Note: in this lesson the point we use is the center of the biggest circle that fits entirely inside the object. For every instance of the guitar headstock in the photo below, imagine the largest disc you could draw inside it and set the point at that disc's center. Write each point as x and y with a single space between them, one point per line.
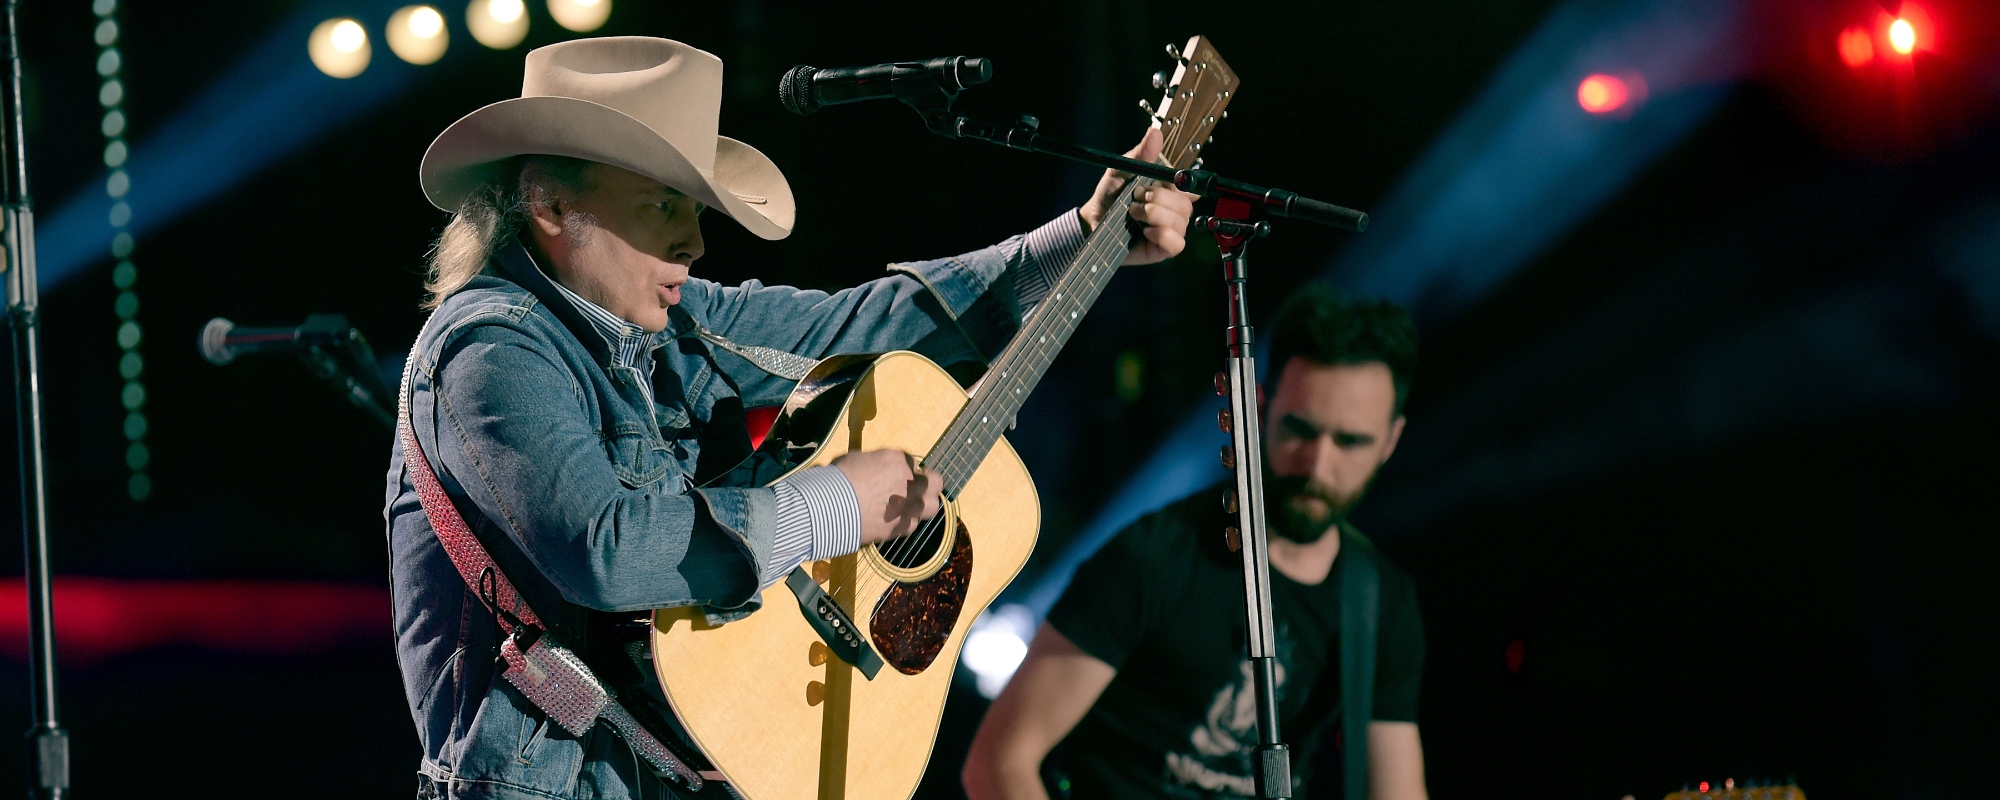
1197 94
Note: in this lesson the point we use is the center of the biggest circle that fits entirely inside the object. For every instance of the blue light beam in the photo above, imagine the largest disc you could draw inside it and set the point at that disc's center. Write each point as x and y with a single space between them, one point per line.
1516 170
271 104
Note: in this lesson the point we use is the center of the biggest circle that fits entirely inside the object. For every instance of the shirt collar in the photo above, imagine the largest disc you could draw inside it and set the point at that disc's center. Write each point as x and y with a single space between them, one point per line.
626 342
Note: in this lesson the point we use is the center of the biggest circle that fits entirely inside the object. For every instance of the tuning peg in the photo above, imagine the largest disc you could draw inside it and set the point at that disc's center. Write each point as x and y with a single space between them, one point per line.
1029 121
1229 501
1221 385
1174 52
1147 106
1228 457
1223 421
1160 79
1225 113
1233 538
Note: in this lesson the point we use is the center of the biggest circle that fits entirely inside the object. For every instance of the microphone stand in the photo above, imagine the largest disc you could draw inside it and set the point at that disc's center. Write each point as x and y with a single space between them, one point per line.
48 743
1234 223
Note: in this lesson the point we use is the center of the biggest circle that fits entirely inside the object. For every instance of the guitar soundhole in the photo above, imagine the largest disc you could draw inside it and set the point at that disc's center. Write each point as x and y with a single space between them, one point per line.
913 621
918 548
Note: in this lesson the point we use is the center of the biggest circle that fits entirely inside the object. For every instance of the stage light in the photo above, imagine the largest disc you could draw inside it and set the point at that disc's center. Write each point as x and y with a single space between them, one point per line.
1601 94
582 16
339 47
1857 47
499 24
1902 36
416 34
996 646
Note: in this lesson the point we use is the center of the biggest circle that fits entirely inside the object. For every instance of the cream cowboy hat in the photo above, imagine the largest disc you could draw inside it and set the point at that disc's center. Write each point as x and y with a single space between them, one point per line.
647 105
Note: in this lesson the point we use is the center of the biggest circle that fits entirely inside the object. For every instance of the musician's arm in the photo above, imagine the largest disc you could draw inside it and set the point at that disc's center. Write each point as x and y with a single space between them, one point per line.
1395 762
1055 686
535 465
950 309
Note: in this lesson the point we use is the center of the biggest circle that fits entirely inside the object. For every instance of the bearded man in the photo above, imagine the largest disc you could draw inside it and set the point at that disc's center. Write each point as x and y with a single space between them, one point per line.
1141 671
580 398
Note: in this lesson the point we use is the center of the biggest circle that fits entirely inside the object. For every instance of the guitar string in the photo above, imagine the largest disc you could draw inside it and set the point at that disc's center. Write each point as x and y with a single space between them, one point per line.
1096 249
954 461
959 448
1082 287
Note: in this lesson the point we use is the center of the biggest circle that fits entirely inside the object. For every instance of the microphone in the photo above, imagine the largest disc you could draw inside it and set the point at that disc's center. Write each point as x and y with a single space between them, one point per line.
804 89
221 341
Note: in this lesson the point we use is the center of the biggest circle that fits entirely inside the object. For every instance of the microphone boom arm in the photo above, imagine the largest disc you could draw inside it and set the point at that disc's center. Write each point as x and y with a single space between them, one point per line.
1023 135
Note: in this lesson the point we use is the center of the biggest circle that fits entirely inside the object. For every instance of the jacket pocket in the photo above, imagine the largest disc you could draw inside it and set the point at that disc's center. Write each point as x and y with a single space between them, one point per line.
638 457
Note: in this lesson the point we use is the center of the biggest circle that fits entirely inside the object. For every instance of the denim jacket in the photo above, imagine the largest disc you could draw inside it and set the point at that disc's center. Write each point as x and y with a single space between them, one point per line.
592 502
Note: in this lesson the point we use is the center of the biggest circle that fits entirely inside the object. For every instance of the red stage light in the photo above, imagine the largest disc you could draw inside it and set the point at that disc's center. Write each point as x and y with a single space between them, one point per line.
1601 94
1857 46
1902 36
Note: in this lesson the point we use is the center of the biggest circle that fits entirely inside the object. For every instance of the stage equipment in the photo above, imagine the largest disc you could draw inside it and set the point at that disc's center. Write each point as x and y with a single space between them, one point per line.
852 684
339 47
333 349
805 89
48 743
1728 790
124 276
417 34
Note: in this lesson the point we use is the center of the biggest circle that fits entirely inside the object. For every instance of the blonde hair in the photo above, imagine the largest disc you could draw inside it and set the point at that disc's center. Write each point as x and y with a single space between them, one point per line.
494 213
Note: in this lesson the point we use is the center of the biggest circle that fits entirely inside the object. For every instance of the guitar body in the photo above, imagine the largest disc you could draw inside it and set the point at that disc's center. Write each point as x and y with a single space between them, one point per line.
763 697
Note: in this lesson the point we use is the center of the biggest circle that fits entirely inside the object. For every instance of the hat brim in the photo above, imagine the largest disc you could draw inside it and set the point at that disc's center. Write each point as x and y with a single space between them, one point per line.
744 184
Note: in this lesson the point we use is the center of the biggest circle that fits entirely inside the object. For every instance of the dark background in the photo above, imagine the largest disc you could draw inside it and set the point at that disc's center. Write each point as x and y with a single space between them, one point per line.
1715 467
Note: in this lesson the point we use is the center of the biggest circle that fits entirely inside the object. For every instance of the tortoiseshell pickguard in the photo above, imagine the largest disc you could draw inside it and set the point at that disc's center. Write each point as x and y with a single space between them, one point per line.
913 621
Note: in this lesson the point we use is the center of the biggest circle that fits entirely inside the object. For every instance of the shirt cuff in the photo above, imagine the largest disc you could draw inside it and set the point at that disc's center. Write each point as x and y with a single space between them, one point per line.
1049 252
819 518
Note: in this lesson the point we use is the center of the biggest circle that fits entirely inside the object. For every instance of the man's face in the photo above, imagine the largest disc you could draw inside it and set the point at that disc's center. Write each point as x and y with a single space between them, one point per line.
631 249
1328 429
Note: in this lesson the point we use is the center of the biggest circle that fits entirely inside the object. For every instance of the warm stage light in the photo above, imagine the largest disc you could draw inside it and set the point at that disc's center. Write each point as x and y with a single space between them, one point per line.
498 24
1857 46
339 47
582 16
1601 94
416 34
1902 36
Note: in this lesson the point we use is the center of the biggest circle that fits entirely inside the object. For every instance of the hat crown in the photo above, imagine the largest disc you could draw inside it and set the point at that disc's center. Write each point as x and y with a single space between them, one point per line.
672 88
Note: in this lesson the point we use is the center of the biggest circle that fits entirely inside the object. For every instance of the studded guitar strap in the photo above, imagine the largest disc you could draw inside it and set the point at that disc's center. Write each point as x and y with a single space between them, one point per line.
548 674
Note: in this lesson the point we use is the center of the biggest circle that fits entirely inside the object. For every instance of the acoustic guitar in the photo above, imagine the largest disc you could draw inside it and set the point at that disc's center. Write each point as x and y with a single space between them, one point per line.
834 688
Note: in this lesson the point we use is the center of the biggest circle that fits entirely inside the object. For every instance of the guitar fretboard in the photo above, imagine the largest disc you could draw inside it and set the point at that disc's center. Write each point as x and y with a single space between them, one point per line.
1013 376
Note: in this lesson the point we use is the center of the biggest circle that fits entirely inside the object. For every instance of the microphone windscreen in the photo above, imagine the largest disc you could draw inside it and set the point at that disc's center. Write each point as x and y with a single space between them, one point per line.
795 90
215 341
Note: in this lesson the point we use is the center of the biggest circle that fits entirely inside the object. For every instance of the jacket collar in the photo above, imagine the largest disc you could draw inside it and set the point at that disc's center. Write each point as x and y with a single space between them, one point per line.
513 263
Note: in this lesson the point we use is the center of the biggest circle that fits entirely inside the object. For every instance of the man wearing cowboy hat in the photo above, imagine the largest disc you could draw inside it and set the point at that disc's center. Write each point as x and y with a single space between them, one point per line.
577 392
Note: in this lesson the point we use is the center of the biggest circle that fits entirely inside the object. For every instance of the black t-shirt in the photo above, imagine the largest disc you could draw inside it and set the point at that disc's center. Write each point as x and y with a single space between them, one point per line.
1163 604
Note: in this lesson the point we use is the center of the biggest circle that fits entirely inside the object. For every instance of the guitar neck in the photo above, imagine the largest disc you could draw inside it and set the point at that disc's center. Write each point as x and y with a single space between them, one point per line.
1013 375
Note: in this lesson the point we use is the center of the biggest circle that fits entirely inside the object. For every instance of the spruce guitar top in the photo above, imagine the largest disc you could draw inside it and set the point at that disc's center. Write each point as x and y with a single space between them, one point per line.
835 687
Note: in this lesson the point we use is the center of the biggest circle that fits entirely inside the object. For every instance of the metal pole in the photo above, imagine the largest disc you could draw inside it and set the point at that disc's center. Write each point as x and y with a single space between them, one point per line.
48 743
1246 457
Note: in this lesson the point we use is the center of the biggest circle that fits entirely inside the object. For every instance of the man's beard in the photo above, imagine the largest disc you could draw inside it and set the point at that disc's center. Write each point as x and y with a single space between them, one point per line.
1287 521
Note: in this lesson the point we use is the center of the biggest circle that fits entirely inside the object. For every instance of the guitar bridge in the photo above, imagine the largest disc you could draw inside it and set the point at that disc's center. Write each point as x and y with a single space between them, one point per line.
832 623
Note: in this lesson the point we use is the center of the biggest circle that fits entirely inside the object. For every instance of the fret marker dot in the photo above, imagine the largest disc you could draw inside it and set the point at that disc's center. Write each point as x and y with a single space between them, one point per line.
1042 340
982 420
1093 268
1072 315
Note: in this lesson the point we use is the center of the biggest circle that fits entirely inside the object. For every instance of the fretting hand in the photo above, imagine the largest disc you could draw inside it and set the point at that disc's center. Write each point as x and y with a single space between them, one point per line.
894 493
1163 209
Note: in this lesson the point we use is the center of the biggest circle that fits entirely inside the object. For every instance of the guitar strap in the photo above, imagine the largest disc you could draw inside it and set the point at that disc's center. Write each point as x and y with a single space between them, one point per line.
1360 612
551 676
